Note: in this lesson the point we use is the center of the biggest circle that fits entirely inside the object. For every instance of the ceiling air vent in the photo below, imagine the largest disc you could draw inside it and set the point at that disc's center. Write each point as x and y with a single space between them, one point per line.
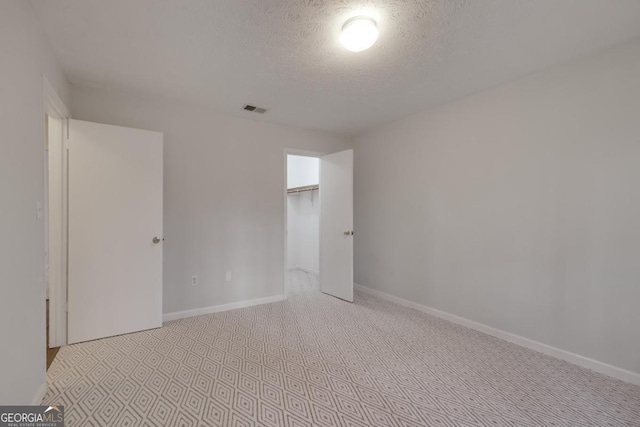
254 109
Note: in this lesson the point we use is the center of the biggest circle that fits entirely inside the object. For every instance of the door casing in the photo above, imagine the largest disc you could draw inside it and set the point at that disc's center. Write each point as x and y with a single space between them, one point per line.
57 217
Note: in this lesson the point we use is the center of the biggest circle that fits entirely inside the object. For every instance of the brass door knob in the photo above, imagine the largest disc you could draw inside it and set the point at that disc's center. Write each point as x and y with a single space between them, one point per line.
156 240
348 233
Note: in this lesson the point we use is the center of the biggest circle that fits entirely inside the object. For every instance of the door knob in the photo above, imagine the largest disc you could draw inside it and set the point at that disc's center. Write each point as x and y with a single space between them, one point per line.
348 233
156 240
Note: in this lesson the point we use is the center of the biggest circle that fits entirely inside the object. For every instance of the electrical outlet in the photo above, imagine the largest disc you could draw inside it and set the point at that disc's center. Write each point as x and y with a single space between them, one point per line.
228 276
194 280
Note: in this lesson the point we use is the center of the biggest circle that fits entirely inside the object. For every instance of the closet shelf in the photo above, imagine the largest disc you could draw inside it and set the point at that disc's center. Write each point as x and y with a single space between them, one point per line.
302 189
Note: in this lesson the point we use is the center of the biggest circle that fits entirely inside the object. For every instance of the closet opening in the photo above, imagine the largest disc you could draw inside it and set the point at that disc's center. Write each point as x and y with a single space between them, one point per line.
302 255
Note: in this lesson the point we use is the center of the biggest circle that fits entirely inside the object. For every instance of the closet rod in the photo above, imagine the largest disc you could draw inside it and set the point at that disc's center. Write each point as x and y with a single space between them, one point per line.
301 189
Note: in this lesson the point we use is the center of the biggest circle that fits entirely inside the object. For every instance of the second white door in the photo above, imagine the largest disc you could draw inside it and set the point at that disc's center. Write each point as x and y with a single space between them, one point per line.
336 224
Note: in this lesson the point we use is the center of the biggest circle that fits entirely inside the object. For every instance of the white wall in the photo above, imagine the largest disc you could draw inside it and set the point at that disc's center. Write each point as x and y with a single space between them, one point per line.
223 194
24 58
518 207
302 171
303 214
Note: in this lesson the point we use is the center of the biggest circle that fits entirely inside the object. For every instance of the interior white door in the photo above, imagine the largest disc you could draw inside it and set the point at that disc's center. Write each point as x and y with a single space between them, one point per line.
336 224
115 212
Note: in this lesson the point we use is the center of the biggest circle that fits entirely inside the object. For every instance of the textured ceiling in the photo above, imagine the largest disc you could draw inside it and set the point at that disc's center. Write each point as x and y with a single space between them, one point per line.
285 55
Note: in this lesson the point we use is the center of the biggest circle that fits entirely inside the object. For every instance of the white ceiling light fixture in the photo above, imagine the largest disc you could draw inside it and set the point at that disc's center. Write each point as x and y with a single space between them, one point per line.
359 33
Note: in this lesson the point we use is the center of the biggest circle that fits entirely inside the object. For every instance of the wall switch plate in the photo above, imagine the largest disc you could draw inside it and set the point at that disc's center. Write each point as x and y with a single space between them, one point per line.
194 280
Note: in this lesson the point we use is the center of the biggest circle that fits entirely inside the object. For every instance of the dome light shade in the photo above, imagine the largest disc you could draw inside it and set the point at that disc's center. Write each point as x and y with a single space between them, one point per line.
359 33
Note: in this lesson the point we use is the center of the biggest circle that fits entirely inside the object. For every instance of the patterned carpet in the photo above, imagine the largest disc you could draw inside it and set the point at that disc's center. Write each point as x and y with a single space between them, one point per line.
314 360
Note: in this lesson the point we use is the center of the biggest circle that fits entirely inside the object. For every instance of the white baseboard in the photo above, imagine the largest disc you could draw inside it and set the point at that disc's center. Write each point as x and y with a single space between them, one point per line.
223 307
305 269
37 399
576 359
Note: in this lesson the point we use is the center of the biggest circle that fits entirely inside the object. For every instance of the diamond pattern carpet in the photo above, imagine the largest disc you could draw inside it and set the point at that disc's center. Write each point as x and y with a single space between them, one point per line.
314 360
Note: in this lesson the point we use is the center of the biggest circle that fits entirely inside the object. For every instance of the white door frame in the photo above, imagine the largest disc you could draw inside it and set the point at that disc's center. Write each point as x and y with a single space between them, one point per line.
294 152
57 248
